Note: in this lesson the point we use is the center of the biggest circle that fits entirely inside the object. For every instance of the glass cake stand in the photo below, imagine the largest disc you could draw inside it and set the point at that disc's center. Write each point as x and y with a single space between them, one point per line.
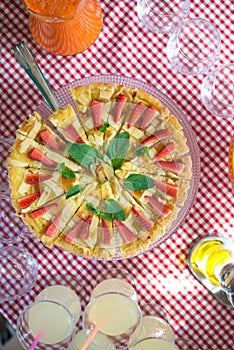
64 97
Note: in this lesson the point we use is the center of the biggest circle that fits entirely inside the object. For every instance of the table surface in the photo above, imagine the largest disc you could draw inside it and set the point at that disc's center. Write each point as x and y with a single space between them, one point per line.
125 48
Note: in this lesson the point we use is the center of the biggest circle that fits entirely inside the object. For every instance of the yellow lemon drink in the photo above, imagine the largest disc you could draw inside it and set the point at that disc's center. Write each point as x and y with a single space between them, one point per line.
118 313
155 344
52 320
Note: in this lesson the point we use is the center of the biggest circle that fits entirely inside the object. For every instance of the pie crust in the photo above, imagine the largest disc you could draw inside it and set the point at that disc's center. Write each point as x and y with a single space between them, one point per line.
125 138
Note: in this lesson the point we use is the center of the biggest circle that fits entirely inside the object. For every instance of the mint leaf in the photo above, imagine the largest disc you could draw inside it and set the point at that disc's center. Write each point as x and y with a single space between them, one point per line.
136 182
118 149
140 151
98 212
104 127
115 209
66 172
105 215
90 207
84 154
74 190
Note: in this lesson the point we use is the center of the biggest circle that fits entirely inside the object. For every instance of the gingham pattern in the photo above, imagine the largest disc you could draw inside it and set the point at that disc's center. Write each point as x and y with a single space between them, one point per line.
125 48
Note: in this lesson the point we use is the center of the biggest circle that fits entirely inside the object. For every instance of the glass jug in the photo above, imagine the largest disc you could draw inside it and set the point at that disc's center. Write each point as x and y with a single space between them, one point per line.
64 27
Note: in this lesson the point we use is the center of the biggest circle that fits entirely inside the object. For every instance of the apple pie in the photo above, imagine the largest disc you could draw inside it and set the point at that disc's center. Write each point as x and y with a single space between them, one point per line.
105 178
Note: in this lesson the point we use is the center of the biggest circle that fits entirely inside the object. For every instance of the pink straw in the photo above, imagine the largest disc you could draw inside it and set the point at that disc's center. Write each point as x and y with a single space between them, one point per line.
91 335
36 341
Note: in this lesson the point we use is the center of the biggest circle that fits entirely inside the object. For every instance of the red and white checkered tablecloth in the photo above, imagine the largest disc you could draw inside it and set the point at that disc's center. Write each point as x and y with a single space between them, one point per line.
125 48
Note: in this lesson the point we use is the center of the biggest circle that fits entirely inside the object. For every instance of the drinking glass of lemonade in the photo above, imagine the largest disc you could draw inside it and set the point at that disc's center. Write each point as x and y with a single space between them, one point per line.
155 333
115 280
49 321
62 295
118 315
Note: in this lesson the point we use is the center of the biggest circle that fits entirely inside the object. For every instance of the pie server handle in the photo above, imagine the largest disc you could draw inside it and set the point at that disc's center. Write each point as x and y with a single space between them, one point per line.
29 64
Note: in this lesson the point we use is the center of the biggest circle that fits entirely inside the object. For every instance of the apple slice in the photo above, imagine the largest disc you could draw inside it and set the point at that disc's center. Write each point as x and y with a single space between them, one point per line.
36 154
97 109
145 222
52 229
39 212
50 140
158 136
119 105
161 209
168 149
127 235
36 178
175 167
150 114
73 234
26 201
136 114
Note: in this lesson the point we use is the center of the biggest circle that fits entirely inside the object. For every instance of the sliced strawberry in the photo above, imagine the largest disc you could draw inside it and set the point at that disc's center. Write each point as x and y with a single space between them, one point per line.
80 140
74 233
150 114
145 222
161 209
136 114
26 201
36 178
72 134
50 140
175 167
105 233
52 229
119 105
85 230
168 149
39 212
160 135
127 235
97 108
171 189
36 154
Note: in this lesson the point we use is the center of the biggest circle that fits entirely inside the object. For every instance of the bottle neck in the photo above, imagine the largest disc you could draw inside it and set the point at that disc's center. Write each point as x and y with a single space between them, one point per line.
226 278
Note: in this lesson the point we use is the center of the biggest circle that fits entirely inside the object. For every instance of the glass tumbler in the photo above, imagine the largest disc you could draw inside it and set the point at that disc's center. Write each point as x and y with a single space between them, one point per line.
63 295
156 333
18 271
194 48
49 322
117 315
217 91
115 280
162 16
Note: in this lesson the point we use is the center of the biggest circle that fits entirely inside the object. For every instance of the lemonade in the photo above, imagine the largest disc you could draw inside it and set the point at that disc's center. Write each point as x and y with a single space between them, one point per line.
155 344
118 313
52 320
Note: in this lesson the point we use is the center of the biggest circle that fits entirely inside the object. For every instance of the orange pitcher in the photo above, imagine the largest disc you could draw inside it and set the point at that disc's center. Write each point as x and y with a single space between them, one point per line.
64 27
